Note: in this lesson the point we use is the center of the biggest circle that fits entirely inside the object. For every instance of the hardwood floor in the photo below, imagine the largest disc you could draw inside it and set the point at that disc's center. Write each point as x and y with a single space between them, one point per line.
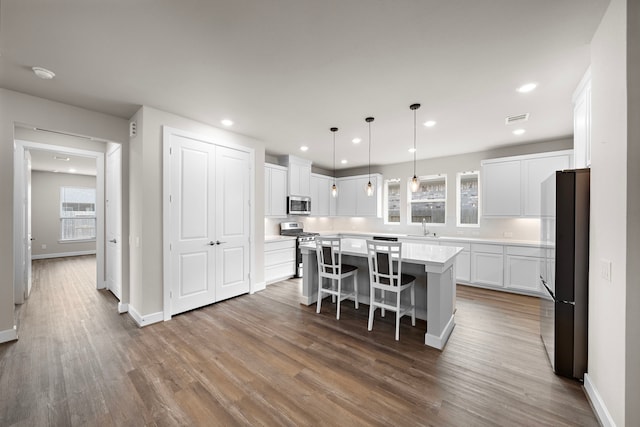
264 359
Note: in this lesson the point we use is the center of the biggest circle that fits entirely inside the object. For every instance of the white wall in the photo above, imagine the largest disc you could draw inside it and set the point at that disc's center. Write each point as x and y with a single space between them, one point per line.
608 231
45 216
18 108
146 202
632 391
520 228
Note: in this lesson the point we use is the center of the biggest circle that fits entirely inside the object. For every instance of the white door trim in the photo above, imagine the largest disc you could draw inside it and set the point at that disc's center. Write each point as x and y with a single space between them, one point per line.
167 221
19 193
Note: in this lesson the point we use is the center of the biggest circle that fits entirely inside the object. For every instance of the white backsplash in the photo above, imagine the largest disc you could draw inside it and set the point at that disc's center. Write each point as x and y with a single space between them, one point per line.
512 228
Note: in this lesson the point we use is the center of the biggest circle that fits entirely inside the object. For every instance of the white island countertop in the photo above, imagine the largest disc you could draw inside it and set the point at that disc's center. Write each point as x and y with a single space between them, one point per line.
416 253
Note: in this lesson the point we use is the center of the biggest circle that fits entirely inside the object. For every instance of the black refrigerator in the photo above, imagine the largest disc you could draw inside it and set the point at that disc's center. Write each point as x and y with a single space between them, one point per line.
564 229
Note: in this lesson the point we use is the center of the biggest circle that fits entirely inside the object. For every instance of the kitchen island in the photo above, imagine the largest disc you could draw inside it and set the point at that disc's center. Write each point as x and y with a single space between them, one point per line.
432 265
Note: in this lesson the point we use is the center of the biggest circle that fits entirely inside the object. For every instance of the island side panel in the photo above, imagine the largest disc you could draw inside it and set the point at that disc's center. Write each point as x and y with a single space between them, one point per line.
441 303
309 277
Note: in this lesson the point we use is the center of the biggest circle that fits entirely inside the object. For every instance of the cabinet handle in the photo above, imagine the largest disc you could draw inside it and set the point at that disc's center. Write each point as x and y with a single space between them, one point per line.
113 241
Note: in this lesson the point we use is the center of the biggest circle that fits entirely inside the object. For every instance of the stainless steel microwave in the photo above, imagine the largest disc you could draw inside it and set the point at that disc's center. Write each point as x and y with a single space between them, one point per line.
298 205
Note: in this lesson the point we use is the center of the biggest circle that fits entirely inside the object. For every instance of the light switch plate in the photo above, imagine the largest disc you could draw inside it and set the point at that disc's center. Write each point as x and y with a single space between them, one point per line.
605 269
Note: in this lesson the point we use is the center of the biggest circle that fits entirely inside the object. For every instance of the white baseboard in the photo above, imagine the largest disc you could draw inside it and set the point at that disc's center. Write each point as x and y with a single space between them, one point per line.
147 320
63 254
122 308
9 335
602 413
439 341
257 287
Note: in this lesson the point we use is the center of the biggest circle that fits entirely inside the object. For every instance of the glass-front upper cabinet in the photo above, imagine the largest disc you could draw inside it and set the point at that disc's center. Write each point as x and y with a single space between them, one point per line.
468 201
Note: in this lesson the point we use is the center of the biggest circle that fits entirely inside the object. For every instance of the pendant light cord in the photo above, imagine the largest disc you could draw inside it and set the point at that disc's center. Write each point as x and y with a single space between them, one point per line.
369 151
414 142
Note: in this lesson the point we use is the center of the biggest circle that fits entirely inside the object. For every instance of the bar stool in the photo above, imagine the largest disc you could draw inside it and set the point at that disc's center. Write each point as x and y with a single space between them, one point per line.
385 275
329 255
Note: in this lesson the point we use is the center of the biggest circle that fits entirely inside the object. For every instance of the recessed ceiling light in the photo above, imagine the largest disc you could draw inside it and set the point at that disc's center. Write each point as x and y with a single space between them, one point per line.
226 122
519 131
412 150
72 170
304 148
527 87
343 161
430 123
356 140
43 73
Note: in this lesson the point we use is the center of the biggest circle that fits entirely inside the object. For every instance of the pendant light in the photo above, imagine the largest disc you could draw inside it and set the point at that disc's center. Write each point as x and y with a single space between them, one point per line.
369 188
334 188
415 182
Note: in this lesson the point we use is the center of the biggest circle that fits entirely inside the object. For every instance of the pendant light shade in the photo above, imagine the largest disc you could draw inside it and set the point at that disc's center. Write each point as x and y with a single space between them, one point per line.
334 187
369 189
415 182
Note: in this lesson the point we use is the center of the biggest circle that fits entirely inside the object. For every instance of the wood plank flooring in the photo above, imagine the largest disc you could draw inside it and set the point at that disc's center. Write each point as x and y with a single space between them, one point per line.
264 359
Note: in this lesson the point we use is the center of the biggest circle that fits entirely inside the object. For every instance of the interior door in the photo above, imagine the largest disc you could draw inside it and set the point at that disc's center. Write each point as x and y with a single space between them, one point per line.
193 211
27 219
114 221
232 222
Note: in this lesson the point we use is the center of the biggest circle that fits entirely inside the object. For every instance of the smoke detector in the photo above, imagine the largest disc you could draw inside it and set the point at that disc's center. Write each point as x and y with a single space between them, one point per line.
43 73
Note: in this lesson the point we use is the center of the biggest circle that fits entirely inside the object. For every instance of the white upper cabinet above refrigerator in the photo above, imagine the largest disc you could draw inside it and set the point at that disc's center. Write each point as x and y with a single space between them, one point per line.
582 122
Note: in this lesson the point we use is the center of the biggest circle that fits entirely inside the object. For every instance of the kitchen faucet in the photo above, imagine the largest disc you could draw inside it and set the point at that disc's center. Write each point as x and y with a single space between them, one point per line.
424 227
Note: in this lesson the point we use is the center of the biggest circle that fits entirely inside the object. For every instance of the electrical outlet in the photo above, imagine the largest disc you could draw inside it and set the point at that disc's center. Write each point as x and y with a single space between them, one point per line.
507 234
44 246
460 233
605 269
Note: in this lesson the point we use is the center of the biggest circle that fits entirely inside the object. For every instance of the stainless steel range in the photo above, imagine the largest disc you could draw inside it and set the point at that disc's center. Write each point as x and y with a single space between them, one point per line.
296 229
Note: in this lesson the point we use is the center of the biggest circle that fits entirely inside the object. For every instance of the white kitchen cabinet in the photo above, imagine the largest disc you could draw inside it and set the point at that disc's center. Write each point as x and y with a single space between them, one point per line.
511 185
275 190
487 264
534 172
279 260
322 203
353 200
582 122
299 176
522 267
347 201
501 188
463 261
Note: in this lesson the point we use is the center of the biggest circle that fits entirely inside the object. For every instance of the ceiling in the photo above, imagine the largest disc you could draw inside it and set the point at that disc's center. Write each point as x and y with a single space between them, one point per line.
53 161
285 71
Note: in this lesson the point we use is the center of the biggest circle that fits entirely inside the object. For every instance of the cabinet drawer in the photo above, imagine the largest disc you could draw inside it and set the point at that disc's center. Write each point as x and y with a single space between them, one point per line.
279 256
490 249
464 246
524 251
279 272
279 244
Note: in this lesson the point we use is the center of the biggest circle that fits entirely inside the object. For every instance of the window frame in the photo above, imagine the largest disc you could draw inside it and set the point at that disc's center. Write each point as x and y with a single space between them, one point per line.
62 218
410 201
386 201
459 177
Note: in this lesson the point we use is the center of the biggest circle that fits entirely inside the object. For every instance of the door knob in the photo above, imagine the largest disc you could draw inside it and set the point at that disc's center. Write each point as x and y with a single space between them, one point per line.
218 242
113 241
211 243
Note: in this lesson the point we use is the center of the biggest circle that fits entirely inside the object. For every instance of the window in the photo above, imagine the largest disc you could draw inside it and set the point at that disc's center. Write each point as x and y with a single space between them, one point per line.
429 202
468 201
77 213
392 201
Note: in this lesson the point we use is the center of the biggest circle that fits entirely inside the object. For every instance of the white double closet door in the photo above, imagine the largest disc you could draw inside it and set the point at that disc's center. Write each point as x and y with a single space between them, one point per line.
210 209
